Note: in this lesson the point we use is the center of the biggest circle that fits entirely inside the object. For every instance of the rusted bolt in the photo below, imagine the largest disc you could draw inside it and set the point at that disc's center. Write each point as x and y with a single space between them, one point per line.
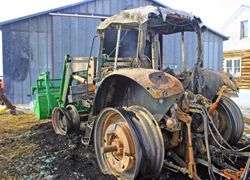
108 149
165 93
170 123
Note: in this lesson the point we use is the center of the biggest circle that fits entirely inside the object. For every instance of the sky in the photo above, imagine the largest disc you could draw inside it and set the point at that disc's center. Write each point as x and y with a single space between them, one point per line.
212 12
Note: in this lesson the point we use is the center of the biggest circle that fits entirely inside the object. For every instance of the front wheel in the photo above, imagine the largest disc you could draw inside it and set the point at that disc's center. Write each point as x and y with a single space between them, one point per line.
128 143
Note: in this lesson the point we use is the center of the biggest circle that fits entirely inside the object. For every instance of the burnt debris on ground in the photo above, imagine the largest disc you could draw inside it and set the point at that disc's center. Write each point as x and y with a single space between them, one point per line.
30 149
34 151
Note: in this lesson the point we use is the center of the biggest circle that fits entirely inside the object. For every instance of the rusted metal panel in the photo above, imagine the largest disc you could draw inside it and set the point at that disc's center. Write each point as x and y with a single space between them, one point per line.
157 83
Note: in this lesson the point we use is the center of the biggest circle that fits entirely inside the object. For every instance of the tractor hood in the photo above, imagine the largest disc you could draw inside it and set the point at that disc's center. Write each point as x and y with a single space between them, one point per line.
157 83
167 20
155 90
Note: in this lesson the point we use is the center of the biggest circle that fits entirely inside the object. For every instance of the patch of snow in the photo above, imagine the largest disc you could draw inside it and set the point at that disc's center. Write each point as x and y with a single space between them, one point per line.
243 101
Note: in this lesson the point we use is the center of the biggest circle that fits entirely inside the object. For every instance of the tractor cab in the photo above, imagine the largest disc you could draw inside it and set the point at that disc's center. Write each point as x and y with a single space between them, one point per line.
133 38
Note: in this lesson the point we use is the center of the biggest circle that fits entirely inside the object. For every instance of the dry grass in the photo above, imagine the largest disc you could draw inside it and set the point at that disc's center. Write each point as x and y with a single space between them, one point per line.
247 131
247 120
12 129
17 123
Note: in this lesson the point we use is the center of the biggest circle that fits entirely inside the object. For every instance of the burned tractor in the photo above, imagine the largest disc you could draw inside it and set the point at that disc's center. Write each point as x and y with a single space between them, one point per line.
139 116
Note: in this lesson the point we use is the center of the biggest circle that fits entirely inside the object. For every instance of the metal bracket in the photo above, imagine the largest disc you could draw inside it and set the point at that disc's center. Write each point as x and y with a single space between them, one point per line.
89 130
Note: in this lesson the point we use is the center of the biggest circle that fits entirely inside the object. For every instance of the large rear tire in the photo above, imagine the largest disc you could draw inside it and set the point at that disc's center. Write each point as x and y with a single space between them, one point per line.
128 143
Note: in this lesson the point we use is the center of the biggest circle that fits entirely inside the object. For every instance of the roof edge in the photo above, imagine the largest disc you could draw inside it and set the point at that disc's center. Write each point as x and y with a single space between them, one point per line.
208 28
228 20
57 9
225 38
159 3
43 12
86 1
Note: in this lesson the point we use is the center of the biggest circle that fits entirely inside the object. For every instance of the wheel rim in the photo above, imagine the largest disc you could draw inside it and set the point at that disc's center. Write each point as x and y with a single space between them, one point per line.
61 121
116 145
128 142
74 117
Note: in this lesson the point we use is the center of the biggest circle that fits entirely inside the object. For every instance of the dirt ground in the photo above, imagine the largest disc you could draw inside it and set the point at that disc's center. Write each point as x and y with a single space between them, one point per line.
29 149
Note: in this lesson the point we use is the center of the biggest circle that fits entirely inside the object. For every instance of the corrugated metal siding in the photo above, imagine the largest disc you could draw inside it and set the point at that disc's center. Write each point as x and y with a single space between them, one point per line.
172 51
27 44
212 51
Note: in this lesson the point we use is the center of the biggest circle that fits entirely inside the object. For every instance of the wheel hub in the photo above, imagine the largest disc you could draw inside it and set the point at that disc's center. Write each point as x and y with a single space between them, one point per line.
119 147
128 143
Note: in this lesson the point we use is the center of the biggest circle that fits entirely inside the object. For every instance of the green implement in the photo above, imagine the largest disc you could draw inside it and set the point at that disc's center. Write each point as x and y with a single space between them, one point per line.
75 88
47 95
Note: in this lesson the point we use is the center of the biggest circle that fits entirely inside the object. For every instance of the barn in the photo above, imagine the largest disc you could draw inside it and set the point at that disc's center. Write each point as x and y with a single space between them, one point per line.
38 42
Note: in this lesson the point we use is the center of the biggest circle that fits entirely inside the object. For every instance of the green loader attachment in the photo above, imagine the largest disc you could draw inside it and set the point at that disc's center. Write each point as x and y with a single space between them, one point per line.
46 94
71 94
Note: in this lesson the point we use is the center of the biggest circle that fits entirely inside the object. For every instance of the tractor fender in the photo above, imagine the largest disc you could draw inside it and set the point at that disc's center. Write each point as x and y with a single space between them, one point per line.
153 89
210 82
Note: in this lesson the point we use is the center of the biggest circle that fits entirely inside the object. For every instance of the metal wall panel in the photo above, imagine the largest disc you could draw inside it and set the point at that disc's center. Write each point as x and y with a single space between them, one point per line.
7 62
172 51
212 51
190 40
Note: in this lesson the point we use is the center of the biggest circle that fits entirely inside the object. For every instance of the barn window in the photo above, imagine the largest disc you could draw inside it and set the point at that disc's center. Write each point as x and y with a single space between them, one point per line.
233 66
244 29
